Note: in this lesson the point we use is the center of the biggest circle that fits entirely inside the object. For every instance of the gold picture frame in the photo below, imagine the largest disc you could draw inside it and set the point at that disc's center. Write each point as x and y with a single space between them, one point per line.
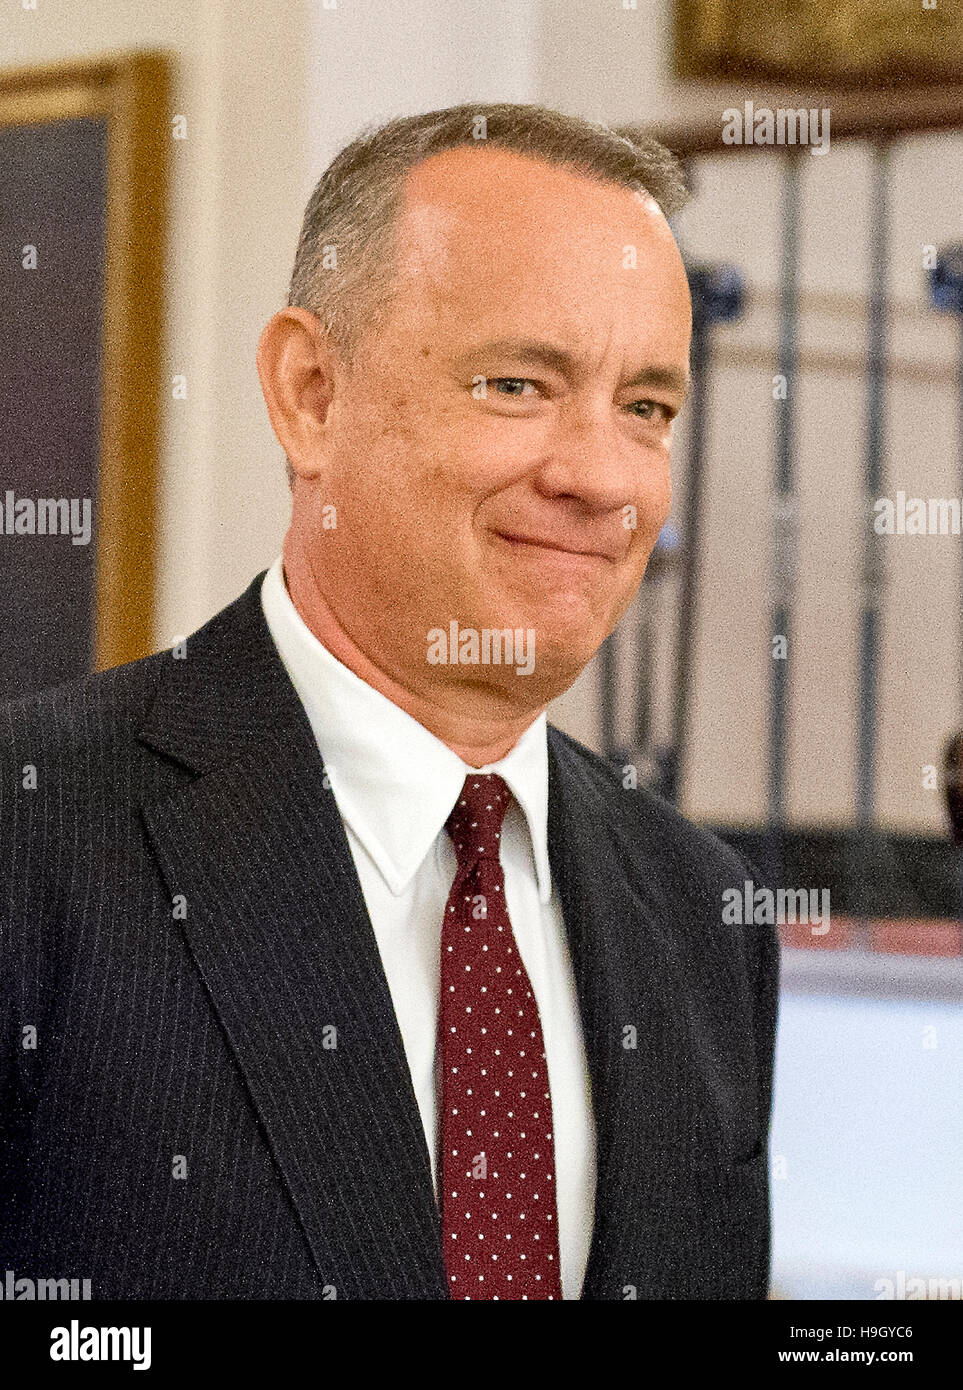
855 43
130 93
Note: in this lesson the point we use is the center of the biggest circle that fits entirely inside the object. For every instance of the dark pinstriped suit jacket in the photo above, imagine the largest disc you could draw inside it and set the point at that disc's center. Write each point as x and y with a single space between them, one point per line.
180 1130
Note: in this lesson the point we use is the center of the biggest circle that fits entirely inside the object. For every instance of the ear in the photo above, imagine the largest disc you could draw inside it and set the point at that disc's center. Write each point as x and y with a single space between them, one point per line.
297 366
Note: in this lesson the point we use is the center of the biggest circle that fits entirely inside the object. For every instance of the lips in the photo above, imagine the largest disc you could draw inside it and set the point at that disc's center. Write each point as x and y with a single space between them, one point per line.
551 543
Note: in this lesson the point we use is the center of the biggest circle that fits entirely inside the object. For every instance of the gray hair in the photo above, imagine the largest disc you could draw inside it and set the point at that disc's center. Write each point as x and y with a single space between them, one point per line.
344 269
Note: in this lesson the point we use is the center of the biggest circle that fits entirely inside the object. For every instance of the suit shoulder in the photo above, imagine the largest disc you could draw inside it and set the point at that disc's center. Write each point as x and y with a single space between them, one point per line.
99 717
644 818
83 713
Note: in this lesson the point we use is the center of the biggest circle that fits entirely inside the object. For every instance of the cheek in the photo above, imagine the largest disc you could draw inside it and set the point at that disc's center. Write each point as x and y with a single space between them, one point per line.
425 461
491 452
403 498
655 503
376 458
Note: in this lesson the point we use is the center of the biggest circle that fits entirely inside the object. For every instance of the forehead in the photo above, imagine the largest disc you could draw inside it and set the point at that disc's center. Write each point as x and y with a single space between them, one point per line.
485 231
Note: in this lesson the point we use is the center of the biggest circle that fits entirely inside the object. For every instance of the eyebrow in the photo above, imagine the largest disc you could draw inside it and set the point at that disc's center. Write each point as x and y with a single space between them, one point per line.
536 353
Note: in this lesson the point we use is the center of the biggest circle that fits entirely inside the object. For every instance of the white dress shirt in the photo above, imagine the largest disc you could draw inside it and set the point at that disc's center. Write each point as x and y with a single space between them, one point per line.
395 785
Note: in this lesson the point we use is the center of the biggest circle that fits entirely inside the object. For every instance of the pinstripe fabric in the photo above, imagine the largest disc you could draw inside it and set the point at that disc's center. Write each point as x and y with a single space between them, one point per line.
218 1103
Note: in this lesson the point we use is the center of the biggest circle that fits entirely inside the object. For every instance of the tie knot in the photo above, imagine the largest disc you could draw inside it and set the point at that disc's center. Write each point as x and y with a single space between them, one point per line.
475 823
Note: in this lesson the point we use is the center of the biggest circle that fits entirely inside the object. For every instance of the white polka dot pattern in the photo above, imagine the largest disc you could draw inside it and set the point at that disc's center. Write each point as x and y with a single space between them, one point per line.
499 1216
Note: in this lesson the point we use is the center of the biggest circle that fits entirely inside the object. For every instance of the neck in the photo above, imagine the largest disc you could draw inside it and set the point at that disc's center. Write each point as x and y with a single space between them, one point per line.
478 739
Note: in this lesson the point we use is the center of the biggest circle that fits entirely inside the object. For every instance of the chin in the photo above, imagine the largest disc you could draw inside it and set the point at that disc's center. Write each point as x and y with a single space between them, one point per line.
562 655
575 622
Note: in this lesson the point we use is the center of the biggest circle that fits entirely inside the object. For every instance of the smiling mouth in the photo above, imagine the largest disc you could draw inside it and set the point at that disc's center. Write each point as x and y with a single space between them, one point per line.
551 547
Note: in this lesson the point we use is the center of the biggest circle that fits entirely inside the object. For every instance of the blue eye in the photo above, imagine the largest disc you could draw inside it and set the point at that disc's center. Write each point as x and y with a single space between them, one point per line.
510 381
667 414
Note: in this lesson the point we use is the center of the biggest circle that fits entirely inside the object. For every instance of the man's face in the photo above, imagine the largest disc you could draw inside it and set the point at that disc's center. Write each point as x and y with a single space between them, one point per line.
490 460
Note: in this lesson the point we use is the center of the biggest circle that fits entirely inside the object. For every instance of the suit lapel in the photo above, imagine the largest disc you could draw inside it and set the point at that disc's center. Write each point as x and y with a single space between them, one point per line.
634 1019
254 847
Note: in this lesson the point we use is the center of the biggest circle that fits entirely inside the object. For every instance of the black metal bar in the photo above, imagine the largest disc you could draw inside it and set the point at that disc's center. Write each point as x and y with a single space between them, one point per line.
717 297
872 485
699 358
646 638
784 521
946 292
608 693
867 715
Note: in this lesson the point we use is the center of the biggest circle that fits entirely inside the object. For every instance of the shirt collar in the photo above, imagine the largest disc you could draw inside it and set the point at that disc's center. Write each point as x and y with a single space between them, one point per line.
394 781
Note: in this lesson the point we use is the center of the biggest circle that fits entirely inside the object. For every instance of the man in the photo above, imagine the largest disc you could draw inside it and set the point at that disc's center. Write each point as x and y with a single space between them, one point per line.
330 970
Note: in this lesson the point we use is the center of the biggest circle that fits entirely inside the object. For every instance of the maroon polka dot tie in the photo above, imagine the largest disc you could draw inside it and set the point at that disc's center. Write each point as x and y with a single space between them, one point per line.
499 1215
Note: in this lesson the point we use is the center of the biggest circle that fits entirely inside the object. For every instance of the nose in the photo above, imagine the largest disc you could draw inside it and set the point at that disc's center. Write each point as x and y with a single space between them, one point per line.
591 460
